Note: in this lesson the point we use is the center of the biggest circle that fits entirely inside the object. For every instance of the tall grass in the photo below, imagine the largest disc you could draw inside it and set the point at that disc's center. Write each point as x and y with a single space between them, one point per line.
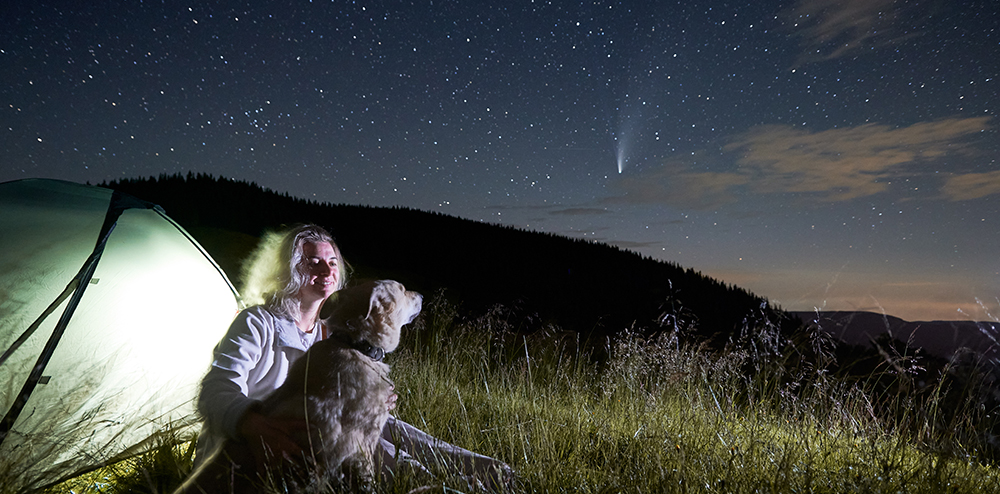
664 416
648 413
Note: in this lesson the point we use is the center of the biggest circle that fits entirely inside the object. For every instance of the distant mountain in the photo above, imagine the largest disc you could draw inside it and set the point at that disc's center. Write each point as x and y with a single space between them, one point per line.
939 338
592 288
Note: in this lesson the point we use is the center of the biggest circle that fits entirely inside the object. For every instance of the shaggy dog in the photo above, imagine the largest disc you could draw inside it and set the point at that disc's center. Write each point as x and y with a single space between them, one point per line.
340 388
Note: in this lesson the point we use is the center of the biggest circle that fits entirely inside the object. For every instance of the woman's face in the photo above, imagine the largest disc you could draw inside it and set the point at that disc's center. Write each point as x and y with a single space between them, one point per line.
321 269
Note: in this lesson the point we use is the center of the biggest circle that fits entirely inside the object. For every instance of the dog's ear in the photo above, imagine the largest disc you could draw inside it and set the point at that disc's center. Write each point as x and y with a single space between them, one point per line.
382 307
382 326
349 304
383 300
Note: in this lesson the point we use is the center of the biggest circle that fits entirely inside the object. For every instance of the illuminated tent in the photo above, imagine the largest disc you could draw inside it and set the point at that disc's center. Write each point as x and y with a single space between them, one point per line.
108 315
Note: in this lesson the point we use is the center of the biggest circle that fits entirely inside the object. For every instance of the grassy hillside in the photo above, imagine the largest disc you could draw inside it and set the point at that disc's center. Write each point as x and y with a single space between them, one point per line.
659 416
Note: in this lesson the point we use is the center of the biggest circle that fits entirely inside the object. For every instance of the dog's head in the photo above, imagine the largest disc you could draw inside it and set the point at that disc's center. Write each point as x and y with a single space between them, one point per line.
373 311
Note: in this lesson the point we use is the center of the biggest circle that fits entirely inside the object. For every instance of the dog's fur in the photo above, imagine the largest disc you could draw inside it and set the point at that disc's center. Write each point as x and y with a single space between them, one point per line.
338 388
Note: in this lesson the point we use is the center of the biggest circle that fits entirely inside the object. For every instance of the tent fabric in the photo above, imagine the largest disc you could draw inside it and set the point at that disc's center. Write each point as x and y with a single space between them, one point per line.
126 367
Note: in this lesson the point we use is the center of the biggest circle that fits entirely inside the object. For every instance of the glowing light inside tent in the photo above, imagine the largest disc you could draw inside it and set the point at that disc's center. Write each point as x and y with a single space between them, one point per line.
130 361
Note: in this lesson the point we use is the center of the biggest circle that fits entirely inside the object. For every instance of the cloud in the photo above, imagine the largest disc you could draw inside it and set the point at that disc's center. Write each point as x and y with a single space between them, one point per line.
580 211
835 28
845 163
972 185
832 165
633 245
674 184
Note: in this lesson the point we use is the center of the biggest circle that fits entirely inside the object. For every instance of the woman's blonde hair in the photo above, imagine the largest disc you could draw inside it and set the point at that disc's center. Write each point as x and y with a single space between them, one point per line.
270 274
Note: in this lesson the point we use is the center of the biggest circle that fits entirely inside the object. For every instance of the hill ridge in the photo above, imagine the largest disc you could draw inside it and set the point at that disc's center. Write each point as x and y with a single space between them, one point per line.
581 285
939 338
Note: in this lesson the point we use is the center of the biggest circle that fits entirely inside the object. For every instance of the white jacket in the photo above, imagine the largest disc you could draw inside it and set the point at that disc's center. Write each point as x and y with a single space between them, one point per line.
250 362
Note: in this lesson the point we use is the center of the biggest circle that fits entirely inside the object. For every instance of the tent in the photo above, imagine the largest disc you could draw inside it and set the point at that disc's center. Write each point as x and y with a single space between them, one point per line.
109 312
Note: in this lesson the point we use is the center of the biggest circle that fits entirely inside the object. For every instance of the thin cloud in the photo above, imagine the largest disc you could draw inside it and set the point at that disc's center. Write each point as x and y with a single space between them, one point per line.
832 165
832 29
633 245
972 186
674 184
580 212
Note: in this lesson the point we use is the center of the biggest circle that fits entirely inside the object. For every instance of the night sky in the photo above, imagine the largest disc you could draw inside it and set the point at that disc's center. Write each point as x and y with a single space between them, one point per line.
838 155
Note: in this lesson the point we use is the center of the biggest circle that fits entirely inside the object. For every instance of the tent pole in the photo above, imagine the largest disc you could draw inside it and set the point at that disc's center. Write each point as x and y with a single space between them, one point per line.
38 322
118 204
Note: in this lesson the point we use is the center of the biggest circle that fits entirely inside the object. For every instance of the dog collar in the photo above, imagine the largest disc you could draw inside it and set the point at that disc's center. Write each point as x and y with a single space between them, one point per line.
373 352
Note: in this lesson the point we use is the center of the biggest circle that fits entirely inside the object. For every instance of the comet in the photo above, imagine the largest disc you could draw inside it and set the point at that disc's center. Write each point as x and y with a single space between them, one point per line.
629 118
621 155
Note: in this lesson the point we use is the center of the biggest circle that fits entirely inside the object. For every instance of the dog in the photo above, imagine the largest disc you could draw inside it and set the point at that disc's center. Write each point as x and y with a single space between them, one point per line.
340 388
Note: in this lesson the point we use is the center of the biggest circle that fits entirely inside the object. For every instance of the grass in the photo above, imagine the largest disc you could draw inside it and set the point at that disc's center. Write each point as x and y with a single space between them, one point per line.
655 414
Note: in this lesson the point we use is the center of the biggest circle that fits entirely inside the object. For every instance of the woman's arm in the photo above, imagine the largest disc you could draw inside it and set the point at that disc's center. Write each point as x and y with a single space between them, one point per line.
225 390
247 364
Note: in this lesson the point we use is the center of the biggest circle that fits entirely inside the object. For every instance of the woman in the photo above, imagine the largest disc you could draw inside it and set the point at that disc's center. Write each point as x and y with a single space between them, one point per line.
290 276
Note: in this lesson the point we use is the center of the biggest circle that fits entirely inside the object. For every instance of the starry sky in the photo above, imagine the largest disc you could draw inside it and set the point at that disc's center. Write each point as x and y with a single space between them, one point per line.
825 154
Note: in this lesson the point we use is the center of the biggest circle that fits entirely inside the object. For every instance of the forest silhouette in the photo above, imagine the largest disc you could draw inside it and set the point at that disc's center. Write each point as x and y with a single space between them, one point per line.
594 289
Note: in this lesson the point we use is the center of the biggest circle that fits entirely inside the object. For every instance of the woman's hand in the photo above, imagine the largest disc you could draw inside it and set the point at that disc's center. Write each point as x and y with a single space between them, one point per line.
270 438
